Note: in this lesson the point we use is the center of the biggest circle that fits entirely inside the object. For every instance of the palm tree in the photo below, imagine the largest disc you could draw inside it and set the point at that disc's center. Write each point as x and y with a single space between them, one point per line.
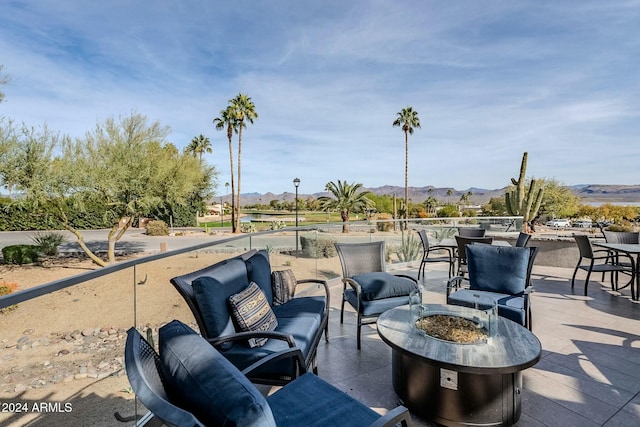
347 199
244 109
407 119
199 145
449 193
227 120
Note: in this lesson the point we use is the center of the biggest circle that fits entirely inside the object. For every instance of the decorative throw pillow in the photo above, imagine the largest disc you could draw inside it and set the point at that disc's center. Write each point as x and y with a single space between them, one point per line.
284 286
251 311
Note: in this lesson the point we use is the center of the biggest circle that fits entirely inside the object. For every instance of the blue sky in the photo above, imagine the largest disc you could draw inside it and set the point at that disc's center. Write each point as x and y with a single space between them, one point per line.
490 80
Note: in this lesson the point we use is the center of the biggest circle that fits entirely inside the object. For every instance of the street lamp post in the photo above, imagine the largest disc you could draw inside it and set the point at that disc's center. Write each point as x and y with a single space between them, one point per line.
296 183
221 213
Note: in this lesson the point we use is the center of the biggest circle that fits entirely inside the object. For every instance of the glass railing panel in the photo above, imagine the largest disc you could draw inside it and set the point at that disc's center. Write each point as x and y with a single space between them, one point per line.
62 353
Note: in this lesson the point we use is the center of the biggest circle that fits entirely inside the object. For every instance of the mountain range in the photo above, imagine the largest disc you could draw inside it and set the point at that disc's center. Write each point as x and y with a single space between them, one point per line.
589 193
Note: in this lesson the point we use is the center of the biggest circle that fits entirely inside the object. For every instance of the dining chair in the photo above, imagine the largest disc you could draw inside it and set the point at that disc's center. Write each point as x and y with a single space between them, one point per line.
501 274
428 254
367 287
598 262
461 253
624 237
471 232
523 239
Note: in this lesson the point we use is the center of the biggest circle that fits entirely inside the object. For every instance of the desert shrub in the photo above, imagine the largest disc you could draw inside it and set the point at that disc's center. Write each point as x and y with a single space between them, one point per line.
157 228
277 225
316 246
247 227
5 289
619 227
47 243
448 211
444 233
20 254
409 250
384 225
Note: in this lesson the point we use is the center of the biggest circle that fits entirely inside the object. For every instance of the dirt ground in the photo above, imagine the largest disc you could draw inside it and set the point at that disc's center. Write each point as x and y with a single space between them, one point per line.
61 355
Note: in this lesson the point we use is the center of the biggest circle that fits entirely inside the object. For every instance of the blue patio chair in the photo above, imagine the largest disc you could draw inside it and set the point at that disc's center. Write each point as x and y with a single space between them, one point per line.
501 274
191 384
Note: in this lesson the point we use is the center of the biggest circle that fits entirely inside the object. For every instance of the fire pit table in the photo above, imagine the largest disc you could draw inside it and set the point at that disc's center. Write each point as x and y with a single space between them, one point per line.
458 384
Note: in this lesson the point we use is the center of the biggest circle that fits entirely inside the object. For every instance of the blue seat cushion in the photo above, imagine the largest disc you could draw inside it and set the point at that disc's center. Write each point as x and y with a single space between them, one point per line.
309 401
509 306
303 330
204 383
374 307
259 271
379 285
212 293
499 269
313 306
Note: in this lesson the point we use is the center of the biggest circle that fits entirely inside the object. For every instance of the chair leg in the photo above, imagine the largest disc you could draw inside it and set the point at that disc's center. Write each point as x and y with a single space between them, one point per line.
359 327
586 282
421 268
573 278
342 310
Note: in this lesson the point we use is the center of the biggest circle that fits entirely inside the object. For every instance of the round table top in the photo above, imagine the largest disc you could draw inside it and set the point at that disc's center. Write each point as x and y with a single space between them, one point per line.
513 348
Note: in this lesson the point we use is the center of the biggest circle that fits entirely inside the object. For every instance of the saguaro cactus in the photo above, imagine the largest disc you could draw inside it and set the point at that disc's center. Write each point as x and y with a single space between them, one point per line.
519 203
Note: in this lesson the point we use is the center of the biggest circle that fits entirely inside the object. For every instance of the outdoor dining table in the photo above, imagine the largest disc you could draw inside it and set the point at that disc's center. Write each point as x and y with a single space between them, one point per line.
629 249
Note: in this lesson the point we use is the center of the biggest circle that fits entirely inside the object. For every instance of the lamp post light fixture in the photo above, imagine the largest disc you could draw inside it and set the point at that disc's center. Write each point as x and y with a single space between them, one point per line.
296 183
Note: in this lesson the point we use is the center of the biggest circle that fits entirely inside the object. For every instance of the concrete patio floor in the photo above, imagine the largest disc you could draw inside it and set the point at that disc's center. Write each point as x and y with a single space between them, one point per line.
589 373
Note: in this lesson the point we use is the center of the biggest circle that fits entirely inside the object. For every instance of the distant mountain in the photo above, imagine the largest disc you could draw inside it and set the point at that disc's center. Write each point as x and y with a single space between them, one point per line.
587 192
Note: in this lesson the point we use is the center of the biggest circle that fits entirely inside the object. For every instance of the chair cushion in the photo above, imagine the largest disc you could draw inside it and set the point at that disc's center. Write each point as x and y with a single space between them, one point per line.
212 292
283 284
252 312
259 271
379 285
302 329
500 269
509 306
310 401
375 307
203 382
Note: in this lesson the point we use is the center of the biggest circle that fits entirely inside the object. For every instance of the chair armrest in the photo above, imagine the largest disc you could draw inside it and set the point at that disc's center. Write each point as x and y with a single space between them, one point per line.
399 415
454 283
316 282
407 277
243 336
291 353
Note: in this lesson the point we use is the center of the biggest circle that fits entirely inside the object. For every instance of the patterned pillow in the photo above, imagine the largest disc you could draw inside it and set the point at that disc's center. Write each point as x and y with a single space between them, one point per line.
283 284
251 311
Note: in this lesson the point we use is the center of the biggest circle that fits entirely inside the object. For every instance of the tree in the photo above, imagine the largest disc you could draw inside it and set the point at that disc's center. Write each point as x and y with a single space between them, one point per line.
8 146
228 120
4 79
430 204
558 200
124 165
198 146
244 110
347 199
495 207
407 119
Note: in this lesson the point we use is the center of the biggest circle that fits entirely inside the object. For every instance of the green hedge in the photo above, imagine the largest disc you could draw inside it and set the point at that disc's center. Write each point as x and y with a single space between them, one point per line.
20 254
316 246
